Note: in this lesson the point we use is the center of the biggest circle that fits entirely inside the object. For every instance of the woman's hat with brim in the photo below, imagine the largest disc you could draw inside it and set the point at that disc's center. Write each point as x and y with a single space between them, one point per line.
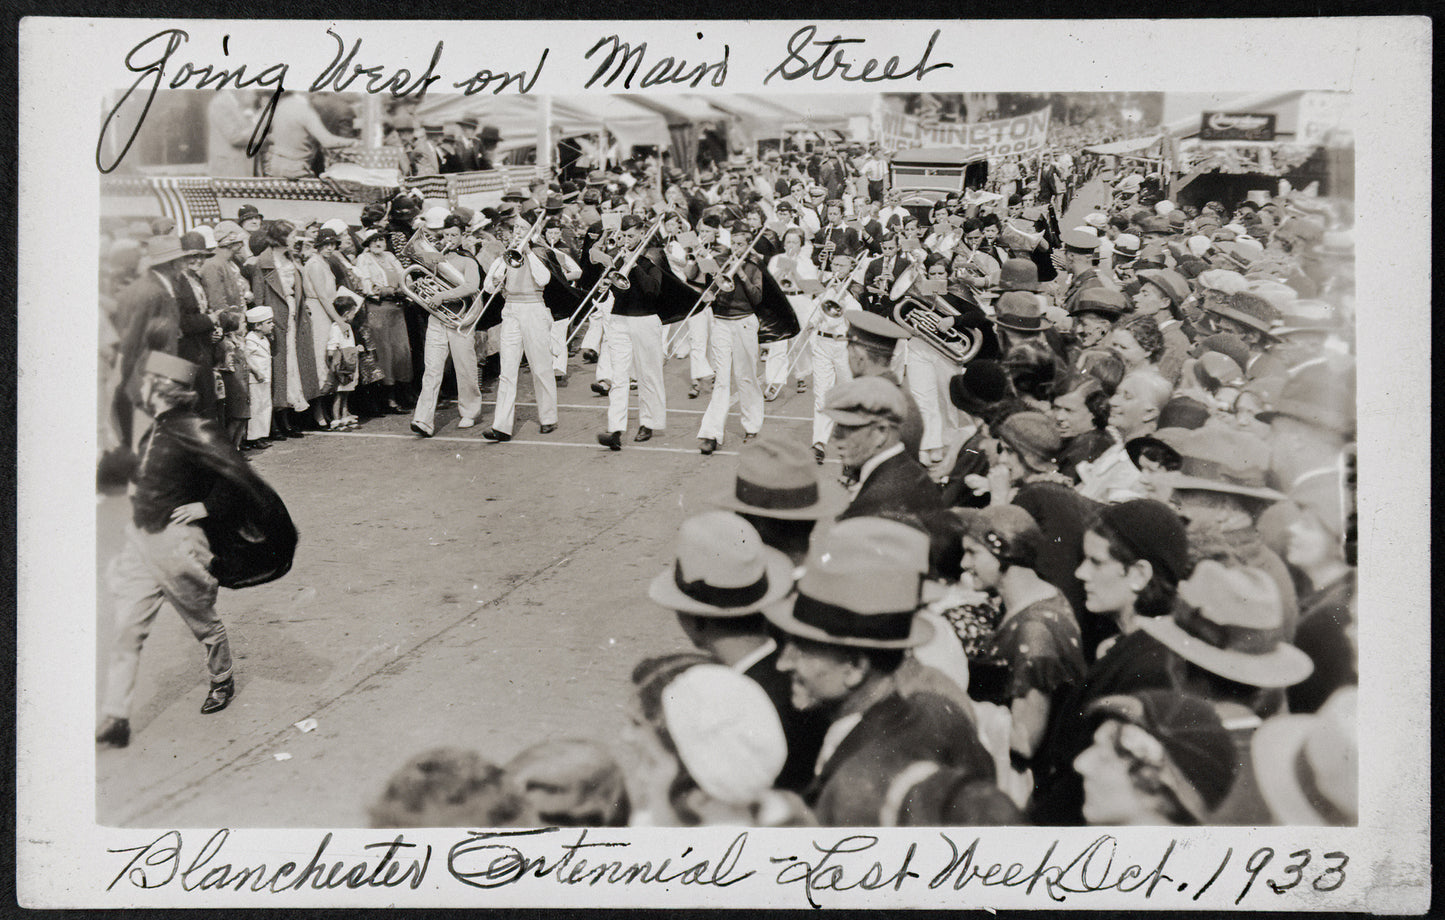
1106 302
722 569
861 587
1307 766
1232 624
778 479
161 364
1320 393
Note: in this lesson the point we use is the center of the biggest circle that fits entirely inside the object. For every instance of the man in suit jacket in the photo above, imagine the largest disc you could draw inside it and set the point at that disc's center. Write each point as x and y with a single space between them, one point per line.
868 414
843 238
848 629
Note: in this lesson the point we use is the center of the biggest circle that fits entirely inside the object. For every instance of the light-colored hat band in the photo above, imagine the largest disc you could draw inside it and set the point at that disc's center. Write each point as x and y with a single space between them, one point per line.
1246 640
848 624
715 596
777 499
1304 775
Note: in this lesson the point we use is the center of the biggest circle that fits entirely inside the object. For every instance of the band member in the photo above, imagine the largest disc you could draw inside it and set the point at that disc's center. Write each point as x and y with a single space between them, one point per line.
563 264
928 371
830 348
734 347
834 236
634 342
442 341
796 275
683 261
192 494
526 329
879 276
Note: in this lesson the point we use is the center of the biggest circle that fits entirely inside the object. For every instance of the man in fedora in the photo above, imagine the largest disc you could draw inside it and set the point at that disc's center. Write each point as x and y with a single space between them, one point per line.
1161 295
867 414
1221 489
200 519
148 311
848 628
778 491
872 349
722 578
466 144
1229 624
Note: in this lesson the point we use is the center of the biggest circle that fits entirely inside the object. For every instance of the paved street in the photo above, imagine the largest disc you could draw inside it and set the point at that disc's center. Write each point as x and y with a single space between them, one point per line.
447 591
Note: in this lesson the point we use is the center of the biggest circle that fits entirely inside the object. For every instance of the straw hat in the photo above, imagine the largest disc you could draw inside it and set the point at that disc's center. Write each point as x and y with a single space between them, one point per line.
722 569
861 587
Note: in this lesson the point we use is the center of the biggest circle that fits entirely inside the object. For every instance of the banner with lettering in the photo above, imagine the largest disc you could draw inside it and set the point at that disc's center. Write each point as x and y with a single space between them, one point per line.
1022 135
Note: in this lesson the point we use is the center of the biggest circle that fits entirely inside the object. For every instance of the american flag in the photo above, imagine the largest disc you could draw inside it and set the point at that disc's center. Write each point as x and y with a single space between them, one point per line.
188 201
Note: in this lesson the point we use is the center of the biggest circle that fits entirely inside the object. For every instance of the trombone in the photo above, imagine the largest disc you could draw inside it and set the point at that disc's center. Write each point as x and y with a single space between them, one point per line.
722 281
829 305
514 256
615 277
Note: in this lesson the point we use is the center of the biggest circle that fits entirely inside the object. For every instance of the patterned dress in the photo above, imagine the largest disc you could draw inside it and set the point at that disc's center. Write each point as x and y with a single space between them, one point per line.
1037 648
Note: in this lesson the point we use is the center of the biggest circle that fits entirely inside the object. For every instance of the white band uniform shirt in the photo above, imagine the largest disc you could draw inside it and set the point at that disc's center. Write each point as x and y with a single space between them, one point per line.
526 329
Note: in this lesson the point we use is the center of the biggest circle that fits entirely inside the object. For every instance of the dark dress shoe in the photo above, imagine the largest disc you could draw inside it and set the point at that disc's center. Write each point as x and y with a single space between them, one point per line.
708 445
589 356
492 434
643 433
819 452
114 732
417 427
219 697
561 380
694 391
612 440
295 433
280 436
548 429
748 436
601 389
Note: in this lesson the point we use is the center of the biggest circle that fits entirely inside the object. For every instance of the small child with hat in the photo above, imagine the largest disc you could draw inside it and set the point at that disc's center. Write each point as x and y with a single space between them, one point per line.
343 358
260 327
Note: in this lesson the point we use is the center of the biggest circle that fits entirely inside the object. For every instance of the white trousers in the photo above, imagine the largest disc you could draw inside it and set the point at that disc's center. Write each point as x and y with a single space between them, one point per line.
775 354
692 344
526 328
928 376
733 353
830 368
559 346
442 343
635 343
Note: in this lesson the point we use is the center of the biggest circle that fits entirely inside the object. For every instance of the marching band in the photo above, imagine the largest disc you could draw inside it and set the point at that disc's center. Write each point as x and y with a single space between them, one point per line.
725 277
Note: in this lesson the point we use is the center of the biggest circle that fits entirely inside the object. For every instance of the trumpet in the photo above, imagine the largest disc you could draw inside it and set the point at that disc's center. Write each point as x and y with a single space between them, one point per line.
422 284
924 319
612 278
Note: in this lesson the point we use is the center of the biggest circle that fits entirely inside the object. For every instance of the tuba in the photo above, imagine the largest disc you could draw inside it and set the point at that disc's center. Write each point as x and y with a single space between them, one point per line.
922 318
422 282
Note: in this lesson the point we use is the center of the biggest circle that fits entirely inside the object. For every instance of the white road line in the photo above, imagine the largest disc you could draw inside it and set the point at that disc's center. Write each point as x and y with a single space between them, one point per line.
602 404
479 440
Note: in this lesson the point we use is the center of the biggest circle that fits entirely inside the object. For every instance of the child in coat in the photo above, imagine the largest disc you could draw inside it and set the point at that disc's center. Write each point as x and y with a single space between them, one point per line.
258 368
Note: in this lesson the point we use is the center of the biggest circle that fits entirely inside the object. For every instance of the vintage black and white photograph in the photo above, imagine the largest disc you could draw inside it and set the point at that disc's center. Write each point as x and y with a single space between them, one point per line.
759 459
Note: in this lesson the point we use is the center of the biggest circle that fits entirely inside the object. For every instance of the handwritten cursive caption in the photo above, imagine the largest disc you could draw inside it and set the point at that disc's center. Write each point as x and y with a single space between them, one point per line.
829 871
162 61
